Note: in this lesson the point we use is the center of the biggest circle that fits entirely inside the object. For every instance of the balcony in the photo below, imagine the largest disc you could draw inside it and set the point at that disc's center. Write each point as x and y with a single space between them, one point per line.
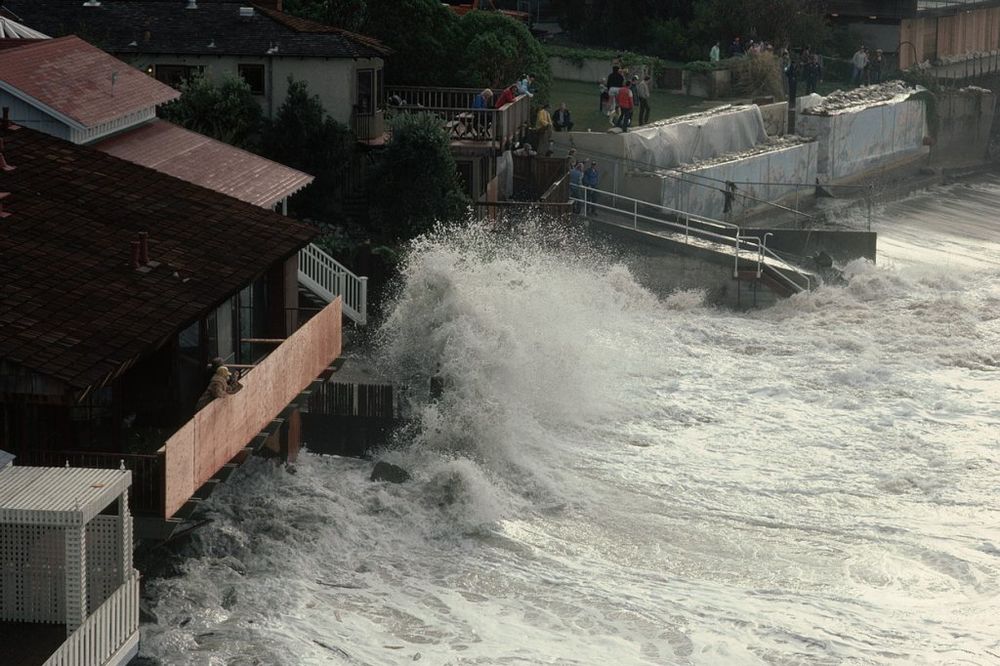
166 478
489 128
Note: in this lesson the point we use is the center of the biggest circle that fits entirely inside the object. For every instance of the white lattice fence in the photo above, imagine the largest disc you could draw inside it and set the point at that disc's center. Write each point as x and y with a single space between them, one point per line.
104 560
32 573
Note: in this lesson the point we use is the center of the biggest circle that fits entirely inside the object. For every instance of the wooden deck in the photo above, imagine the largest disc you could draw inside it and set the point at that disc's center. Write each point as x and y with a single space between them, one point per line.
29 644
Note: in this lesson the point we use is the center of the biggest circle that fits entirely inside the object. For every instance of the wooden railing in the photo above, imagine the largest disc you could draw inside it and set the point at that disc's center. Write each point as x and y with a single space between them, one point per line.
447 98
463 123
340 399
105 631
328 279
146 493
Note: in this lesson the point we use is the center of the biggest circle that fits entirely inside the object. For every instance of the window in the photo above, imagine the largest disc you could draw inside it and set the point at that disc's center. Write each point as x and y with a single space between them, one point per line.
254 76
221 332
366 91
175 75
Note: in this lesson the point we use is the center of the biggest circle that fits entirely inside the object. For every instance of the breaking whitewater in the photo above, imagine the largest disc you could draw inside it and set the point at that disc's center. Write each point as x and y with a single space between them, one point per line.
609 478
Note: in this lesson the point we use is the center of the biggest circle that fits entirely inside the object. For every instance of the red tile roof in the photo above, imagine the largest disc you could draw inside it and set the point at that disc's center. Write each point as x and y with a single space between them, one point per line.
79 81
71 306
203 161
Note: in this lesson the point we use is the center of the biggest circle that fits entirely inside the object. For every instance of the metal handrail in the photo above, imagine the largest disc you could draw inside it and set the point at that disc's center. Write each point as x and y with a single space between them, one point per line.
328 278
808 287
740 241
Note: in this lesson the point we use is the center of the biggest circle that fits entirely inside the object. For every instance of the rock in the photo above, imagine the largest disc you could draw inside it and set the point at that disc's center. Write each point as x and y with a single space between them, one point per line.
823 260
384 471
229 598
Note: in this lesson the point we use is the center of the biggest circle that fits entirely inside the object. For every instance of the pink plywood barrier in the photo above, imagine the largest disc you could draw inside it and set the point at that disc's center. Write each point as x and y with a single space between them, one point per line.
223 427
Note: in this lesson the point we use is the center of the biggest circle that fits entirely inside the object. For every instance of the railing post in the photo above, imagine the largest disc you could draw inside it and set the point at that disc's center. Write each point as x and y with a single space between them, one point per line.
635 214
736 255
363 305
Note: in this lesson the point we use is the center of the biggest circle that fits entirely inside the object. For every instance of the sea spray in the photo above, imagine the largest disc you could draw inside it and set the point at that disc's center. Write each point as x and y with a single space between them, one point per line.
607 478
520 328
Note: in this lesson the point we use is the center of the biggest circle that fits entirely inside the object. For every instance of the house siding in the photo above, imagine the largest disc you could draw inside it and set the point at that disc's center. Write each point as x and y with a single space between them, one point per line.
334 80
24 114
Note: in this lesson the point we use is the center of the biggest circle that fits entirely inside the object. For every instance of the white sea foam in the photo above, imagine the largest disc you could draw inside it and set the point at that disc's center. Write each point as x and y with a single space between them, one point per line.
611 479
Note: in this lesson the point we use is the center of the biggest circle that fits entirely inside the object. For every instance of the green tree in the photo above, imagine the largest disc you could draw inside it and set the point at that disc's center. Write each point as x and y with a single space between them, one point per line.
417 180
497 50
227 112
303 136
793 23
347 14
423 35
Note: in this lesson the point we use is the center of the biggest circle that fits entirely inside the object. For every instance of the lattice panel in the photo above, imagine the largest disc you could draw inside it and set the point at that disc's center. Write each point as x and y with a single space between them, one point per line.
32 573
104 560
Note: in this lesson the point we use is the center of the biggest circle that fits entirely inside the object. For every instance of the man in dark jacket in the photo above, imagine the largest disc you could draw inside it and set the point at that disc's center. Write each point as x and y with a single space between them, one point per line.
561 119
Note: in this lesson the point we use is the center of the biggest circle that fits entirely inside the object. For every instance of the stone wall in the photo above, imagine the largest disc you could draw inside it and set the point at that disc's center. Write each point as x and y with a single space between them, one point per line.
964 121
854 140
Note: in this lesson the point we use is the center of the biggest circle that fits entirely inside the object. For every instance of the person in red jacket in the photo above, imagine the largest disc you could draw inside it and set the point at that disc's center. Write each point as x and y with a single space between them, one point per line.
508 95
625 104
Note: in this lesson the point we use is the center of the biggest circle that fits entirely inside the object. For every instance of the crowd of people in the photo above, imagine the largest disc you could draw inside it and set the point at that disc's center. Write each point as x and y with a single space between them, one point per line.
622 96
866 67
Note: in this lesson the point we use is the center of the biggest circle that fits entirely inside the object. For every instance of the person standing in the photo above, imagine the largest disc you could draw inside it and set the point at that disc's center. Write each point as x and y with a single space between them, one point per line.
625 103
616 80
543 125
643 92
792 77
736 48
858 61
591 177
561 119
714 53
876 66
812 71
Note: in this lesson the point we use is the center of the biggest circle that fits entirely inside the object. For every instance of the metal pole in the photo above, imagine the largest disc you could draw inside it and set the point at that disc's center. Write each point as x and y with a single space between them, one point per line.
736 255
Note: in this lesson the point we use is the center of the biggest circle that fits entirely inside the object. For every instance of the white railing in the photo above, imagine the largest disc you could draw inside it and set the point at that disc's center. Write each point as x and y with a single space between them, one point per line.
105 631
752 245
328 278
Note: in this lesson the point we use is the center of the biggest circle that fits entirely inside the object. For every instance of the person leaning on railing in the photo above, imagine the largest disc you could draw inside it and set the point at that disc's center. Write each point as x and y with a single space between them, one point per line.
508 95
481 103
221 385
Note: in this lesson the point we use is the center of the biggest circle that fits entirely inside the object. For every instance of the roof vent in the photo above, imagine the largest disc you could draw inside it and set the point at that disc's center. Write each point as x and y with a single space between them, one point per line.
92 3
3 213
246 12
192 4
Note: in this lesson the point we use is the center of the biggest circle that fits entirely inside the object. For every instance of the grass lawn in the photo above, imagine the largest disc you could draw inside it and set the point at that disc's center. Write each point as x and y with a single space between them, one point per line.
582 100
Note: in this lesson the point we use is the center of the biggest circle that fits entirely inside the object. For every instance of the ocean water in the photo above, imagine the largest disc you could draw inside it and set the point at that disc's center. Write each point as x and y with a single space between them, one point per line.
609 478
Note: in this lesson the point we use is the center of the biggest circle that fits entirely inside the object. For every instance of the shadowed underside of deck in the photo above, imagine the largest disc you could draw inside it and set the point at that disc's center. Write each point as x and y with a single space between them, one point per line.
28 643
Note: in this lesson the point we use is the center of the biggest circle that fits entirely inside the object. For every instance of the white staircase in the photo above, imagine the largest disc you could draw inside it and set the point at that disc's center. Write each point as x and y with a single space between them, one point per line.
328 278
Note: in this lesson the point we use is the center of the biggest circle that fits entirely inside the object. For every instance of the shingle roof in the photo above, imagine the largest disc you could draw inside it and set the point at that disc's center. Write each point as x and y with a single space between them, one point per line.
79 81
166 27
71 306
203 161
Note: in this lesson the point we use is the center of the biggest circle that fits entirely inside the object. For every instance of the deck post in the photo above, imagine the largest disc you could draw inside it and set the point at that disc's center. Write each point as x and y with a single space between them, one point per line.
124 556
76 576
